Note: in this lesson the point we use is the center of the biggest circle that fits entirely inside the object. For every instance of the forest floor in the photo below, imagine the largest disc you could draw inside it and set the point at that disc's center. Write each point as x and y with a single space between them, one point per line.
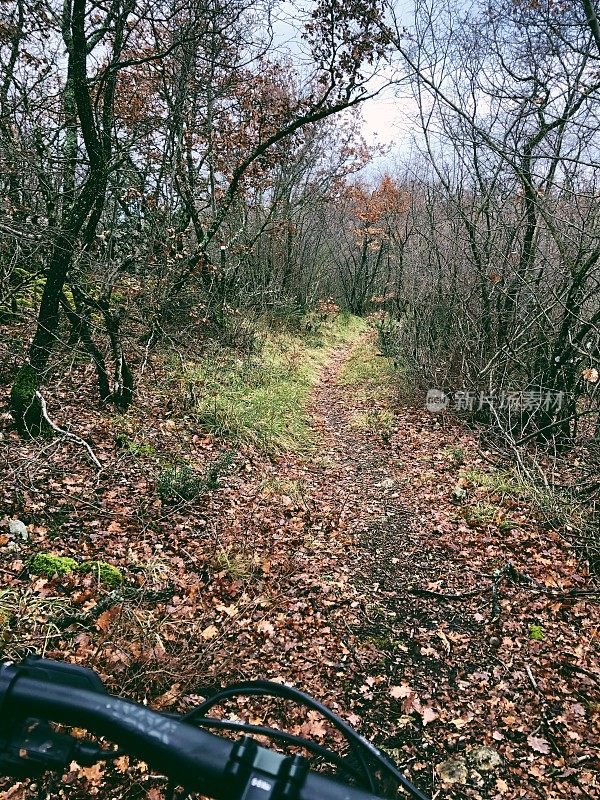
457 629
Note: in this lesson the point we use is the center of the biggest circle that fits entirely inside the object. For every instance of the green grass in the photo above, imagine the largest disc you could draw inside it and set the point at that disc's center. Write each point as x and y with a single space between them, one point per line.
261 399
456 453
375 420
368 373
483 514
550 505
238 566
503 482
273 486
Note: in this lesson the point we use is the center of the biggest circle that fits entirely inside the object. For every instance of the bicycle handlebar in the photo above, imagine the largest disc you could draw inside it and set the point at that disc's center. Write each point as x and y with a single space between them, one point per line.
193 758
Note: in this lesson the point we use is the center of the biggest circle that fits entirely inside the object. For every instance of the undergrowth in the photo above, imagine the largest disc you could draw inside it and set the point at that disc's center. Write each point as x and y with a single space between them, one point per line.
369 373
181 483
260 398
553 506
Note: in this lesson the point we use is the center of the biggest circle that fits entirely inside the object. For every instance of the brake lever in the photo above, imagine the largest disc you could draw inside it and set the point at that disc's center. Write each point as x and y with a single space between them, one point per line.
29 746
33 747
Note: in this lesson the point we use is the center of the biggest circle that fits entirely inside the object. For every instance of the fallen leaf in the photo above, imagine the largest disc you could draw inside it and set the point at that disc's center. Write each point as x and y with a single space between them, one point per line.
104 620
264 626
93 773
428 715
538 744
398 692
210 632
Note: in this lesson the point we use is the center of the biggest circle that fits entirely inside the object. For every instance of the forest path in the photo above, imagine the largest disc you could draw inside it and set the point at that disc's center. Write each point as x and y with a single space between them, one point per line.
453 673
347 570
379 473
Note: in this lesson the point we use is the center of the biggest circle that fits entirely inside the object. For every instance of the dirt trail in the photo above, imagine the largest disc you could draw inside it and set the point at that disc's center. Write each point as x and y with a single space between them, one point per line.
380 484
466 677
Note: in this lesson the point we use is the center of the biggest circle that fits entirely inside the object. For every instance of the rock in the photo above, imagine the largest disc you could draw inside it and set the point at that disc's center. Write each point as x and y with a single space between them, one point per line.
18 528
459 494
453 771
387 483
484 759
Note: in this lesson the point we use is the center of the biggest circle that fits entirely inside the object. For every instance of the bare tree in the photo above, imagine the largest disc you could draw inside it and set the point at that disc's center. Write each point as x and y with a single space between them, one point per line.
508 104
163 117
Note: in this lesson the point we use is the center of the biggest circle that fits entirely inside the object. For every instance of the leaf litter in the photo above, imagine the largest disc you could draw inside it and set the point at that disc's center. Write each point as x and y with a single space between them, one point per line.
365 588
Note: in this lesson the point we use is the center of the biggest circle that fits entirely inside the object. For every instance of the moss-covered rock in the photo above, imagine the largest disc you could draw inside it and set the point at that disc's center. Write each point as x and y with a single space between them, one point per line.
25 405
48 565
104 572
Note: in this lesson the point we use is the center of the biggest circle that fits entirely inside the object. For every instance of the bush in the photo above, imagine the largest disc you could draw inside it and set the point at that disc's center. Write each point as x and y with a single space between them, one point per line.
182 483
179 483
388 337
214 470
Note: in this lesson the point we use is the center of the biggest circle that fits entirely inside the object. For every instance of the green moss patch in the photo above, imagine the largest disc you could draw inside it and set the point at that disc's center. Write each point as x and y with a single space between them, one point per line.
25 406
105 573
48 566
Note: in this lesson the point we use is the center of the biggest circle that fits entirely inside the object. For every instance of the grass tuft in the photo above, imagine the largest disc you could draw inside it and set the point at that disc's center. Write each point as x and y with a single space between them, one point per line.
552 506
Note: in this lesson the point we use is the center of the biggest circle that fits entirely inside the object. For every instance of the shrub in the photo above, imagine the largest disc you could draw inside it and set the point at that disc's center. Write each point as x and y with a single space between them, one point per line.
215 470
388 337
179 483
182 483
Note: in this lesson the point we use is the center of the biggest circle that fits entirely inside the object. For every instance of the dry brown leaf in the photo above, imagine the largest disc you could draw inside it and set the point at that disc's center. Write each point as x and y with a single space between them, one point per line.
94 773
264 626
399 692
104 620
428 715
210 632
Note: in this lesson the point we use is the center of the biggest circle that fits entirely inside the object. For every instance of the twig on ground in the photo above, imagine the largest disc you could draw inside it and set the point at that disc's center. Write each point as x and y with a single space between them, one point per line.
508 570
548 722
67 434
113 598
441 595
574 668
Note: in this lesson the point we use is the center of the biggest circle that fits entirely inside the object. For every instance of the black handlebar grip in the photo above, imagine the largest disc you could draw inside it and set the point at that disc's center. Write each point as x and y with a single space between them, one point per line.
189 756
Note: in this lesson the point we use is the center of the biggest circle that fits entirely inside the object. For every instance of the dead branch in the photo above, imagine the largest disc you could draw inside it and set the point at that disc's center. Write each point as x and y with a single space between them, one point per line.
67 434
442 595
